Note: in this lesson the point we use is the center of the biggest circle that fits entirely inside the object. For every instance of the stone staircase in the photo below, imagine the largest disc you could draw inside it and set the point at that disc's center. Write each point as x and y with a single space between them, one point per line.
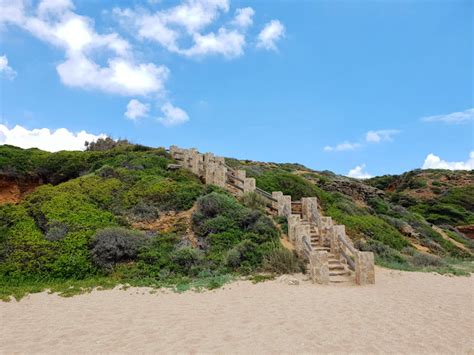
339 272
330 254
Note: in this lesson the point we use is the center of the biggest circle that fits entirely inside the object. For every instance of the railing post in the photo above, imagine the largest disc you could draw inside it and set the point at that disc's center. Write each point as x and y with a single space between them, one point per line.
277 195
319 267
334 241
249 185
293 221
301 231
241 175
364 268
220 175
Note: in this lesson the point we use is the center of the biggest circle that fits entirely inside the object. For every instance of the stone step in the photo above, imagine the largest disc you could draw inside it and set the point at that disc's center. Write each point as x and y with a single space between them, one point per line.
336 267
339 273
322 248
341 279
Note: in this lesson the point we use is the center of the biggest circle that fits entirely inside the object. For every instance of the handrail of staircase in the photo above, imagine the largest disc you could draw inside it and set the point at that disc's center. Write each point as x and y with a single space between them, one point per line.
349 260
265 194
234 185
347 245
307 245
231 175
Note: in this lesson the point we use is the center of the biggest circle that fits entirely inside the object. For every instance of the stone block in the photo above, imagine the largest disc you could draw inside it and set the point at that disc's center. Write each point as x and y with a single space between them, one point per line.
364 268
249 185
319 267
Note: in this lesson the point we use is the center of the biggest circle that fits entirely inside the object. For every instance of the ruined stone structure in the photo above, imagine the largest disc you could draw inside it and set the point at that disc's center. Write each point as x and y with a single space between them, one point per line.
330 254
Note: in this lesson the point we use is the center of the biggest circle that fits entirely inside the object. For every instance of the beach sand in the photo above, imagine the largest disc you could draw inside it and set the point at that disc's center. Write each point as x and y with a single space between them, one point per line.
403 313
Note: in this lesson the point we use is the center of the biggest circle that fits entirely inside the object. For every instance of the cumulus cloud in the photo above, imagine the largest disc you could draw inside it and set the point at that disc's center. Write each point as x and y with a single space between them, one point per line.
435 162
452 118
243 17
188 20
359 173
370 137
342 147
5 70
228 43
270 34
381 135
136 110
45 139
55 22
172 115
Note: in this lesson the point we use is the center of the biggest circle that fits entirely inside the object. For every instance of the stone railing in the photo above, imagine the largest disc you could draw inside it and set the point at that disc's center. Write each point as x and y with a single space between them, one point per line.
213 170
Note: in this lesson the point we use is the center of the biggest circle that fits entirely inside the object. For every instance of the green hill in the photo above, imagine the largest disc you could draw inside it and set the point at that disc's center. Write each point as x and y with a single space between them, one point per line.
121 214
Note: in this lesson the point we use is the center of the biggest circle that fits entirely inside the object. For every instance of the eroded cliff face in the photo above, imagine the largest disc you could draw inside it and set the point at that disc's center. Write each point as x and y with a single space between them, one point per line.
13 190
468 231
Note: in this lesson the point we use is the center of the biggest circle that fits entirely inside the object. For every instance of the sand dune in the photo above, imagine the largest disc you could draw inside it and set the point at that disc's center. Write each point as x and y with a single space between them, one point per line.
402 313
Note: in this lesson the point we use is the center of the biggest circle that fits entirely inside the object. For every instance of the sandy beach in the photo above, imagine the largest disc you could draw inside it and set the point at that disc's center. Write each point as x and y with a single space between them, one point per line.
402 313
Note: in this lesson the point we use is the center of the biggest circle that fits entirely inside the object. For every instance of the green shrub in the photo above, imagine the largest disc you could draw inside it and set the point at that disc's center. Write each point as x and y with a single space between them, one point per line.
245 254
282 261
426 260
286 182
111 246
188 261
254 201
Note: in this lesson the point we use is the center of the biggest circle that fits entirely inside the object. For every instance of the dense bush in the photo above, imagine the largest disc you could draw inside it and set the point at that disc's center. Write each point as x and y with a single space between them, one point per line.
111 246
283 261
233 235
253 200
424 260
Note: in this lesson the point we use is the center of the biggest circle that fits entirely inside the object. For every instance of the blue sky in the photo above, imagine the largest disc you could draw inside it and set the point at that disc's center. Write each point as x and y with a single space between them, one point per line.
367 87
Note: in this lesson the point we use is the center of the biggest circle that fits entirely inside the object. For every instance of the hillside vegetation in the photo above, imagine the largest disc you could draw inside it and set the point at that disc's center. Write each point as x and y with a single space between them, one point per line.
94 217
117 214
392 216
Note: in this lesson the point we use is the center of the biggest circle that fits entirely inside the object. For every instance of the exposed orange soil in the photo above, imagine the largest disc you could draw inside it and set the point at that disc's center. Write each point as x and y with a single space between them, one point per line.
13 192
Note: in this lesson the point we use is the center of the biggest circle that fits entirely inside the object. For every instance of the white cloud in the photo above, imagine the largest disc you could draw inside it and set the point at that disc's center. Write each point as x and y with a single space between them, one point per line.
172 115
136 110
5 70
452 118
243 17
57 24
381 135
228 43
187 21
271 33
435 162
45 139
359 173
342 147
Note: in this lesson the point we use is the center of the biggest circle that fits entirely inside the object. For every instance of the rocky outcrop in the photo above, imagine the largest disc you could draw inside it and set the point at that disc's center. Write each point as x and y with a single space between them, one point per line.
356 190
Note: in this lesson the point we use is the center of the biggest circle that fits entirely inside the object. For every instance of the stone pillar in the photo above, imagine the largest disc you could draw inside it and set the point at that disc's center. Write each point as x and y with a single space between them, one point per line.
306 208
201 168
334 241
364 268
284 208
301 231
293 221
241 175
309 208
249 185
194 161
173 151
210 172
319 267
220 175
277 195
